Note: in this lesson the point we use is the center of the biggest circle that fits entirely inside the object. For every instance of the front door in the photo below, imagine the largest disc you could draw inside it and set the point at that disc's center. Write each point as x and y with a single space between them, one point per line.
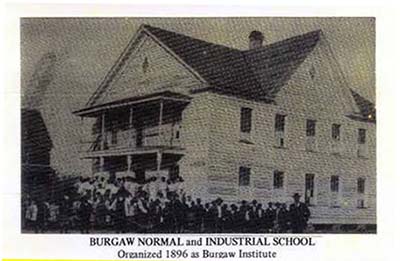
309 189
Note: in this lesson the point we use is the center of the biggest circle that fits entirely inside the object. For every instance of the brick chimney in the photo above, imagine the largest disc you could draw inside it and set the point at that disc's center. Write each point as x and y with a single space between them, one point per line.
256 39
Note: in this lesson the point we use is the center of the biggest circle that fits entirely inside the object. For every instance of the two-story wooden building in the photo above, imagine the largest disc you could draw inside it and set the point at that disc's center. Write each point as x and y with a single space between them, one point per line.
261 123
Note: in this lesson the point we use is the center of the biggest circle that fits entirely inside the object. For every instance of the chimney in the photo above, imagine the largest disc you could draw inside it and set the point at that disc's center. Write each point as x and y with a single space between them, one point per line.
255 40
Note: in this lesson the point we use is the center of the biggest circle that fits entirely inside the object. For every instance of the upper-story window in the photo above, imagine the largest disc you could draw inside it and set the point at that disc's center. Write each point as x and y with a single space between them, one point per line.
244 176
362 140
336 132
310 135
362 135
280 130
310 128
245 120
280 122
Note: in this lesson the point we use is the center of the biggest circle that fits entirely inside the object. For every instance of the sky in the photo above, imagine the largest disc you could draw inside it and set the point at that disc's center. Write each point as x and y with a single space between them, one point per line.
82 50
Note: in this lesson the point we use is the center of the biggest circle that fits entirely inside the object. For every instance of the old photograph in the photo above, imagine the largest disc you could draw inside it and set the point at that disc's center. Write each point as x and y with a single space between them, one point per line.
198 125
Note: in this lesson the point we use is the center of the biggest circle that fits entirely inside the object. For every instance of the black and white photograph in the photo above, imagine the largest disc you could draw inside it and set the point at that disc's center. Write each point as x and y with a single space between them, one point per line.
244 125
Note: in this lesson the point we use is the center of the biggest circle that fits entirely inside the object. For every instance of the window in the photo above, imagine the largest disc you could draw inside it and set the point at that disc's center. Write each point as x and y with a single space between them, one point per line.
334 183
245 120
310 128
362 134
280 122
360 203
361 185
278 179
309 189
244 176
279 130
336 131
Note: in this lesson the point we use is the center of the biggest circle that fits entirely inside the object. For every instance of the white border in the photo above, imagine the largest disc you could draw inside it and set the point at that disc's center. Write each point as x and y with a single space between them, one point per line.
329 247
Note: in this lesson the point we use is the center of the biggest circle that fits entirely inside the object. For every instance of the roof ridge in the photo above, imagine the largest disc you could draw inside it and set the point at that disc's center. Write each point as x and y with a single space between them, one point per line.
191 37
225 68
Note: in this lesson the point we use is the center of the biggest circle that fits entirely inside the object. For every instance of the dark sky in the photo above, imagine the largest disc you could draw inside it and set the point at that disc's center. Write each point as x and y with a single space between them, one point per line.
85 49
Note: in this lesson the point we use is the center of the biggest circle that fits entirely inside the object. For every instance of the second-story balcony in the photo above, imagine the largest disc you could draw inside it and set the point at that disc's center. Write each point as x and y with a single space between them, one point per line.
137 126
165 135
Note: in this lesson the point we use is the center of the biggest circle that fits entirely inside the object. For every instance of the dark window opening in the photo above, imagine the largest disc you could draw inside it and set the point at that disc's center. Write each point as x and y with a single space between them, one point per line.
360 203
281 142
336 131
361 185
278 179
335 183
244 176
362 135
280 122
309 190
310 128
245 120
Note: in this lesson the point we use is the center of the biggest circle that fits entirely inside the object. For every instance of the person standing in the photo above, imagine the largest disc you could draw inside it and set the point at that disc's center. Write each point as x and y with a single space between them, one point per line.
269 217
65 213
162 187
85 209
283 218
43 215
120 218
208 218
299 215
199 215
31 215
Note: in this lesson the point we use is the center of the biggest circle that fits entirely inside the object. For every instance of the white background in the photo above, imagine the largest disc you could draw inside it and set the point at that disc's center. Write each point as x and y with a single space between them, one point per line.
329 247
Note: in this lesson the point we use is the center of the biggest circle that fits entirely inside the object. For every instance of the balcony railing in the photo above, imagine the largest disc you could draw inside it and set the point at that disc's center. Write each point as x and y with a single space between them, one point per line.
166 135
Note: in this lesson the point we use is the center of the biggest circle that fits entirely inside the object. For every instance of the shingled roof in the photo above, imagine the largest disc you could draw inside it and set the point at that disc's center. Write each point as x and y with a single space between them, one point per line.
252 74
224 68
275 63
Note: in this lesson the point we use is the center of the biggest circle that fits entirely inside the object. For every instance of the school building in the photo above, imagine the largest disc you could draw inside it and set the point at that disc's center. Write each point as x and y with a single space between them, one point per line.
262 123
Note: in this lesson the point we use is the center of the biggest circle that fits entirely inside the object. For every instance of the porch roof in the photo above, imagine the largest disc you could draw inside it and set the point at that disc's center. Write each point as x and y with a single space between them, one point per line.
133 151
175 97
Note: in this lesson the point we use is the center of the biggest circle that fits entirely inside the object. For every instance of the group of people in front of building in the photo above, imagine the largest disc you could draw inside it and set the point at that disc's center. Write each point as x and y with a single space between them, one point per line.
160 206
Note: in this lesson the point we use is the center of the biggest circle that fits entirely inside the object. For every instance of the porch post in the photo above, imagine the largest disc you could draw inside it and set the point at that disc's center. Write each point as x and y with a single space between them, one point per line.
102 140
129 162
101 164
160 120
159 159
103 130
130 141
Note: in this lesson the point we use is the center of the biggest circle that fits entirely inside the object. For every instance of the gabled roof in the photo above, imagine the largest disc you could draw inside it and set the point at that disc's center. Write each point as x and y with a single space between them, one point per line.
224 68
366 107
252 74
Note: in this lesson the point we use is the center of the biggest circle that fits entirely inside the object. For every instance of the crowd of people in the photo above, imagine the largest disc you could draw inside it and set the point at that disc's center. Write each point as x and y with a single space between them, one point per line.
124 205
